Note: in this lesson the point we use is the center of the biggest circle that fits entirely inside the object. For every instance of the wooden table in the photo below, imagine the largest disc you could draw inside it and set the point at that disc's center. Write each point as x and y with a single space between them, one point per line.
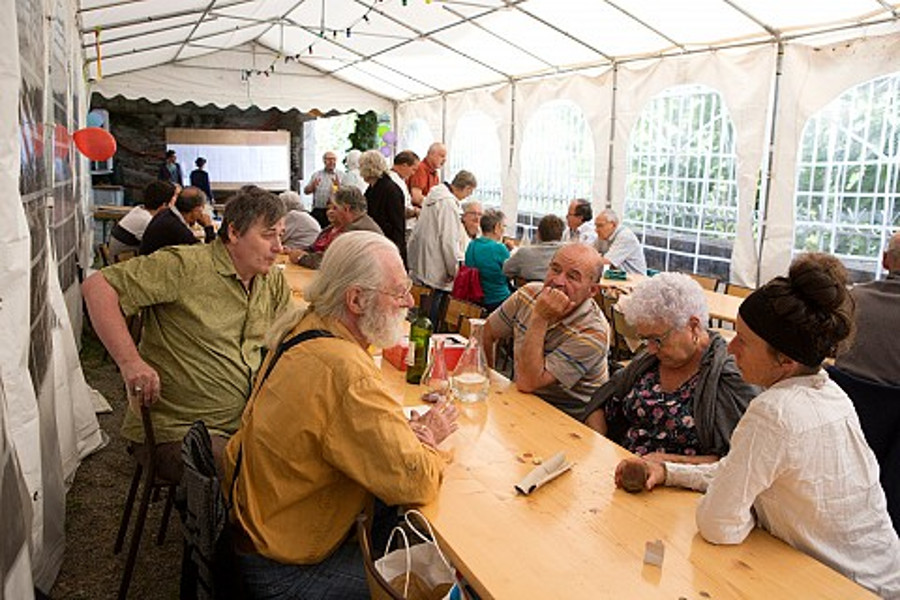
579 536
297 277
109 213
721 306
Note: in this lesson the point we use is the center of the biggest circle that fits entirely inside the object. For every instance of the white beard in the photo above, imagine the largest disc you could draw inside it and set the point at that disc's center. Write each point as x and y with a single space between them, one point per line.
382 328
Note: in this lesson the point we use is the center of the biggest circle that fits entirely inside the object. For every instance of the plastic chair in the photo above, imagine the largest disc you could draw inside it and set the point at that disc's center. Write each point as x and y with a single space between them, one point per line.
144 460
379 587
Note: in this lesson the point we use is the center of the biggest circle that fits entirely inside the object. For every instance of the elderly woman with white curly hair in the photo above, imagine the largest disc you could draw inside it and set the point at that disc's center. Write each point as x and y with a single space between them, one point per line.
681 397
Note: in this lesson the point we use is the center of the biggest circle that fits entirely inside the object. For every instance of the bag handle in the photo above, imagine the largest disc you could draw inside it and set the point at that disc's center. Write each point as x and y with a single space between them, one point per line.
387 549
284 346
431 540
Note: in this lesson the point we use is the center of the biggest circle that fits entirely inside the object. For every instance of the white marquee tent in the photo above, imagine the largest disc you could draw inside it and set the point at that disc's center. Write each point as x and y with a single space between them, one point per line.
775 64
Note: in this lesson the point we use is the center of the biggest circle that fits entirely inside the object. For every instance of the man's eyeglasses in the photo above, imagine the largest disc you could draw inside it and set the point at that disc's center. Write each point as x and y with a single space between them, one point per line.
658 341
396 295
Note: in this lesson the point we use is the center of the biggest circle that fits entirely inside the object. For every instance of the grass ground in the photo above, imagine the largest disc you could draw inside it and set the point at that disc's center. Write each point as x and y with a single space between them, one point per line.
94 505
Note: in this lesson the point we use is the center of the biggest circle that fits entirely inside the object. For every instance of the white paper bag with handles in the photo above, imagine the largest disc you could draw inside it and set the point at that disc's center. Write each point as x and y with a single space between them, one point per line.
423 561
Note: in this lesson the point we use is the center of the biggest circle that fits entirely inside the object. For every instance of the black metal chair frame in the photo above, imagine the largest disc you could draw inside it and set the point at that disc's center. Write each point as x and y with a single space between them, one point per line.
150 492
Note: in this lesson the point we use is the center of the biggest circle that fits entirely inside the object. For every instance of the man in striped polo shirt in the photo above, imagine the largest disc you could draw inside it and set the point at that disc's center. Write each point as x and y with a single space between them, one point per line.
561 337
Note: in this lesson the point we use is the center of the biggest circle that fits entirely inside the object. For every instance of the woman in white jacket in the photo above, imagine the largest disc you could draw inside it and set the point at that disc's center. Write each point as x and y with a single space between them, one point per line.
799 465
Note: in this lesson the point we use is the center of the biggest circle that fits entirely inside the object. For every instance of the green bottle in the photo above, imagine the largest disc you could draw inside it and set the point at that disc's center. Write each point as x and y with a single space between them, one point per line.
417 356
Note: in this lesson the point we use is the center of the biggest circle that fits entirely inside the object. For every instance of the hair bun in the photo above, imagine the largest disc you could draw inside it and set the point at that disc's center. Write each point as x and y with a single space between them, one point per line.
820 281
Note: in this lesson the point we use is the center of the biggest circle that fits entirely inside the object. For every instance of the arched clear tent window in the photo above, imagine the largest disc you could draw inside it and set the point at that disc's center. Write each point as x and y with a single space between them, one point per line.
557 163
681 192
417 136
475 147
847 193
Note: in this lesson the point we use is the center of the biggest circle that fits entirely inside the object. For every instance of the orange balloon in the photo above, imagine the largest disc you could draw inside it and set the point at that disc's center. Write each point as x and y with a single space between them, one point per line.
95 142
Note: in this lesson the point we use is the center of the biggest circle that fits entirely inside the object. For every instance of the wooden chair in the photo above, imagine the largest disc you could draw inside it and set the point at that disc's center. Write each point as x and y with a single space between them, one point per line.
733 289
103 251
420 293
706 282
422 299
145 460
125 255
621 349
379 587
456 310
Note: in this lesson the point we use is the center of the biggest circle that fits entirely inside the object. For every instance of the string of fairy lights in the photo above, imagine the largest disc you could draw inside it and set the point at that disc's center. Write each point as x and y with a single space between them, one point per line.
323 33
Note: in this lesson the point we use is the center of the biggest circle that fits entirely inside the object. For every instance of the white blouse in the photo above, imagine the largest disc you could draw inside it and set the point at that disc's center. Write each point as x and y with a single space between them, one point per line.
800 462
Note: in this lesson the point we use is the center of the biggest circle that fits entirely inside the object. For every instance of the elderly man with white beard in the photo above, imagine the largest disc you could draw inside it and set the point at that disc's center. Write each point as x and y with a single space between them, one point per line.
322 437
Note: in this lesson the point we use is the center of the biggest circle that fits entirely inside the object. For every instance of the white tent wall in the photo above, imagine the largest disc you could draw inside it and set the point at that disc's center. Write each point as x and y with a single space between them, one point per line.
593 95
431 111
217 78
19 431
49 422
15 560
494 102
744 79
813 77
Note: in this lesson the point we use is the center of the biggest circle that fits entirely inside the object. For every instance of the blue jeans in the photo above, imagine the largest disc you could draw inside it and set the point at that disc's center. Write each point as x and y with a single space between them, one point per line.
340 576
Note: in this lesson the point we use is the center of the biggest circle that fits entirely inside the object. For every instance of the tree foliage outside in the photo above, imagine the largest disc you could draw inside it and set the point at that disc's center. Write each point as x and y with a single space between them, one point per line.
681 194
365 132
848 177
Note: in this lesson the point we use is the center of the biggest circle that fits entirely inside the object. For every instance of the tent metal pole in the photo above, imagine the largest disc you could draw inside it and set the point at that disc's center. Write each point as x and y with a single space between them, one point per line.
612 136
511 155
154 18
766 180
444 122
187 40
135 51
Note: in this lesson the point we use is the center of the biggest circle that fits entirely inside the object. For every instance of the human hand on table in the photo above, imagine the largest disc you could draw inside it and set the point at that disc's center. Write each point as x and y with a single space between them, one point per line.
434 426
655 472
141 383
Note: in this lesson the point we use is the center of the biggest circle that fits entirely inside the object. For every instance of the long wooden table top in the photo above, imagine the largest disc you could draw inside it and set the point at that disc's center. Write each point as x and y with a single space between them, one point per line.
721 306
297 277
109 212
578 536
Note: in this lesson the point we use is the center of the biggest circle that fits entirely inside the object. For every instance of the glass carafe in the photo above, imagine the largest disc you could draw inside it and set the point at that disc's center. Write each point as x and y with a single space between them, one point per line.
470 379
436 377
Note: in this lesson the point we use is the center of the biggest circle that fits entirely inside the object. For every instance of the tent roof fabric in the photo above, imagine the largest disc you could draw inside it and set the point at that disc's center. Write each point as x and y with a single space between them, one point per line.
401 50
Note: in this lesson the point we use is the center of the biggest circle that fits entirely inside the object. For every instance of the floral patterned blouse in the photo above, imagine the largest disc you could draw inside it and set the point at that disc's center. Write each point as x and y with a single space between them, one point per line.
658 421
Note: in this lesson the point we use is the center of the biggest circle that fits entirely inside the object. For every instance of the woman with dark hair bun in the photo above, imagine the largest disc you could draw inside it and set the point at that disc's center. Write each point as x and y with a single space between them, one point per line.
799 465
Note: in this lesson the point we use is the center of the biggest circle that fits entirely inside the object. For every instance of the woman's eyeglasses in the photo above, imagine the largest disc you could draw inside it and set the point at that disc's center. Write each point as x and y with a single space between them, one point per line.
658 341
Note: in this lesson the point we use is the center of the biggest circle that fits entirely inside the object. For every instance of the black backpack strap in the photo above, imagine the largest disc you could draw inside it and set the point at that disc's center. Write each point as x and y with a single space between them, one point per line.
309 334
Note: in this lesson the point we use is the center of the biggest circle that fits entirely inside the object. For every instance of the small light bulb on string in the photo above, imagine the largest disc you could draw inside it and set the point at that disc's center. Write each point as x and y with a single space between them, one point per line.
348 32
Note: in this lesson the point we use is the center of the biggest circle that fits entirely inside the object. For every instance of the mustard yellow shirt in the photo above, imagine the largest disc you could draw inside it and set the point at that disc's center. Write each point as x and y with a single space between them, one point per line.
203 333
319 438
